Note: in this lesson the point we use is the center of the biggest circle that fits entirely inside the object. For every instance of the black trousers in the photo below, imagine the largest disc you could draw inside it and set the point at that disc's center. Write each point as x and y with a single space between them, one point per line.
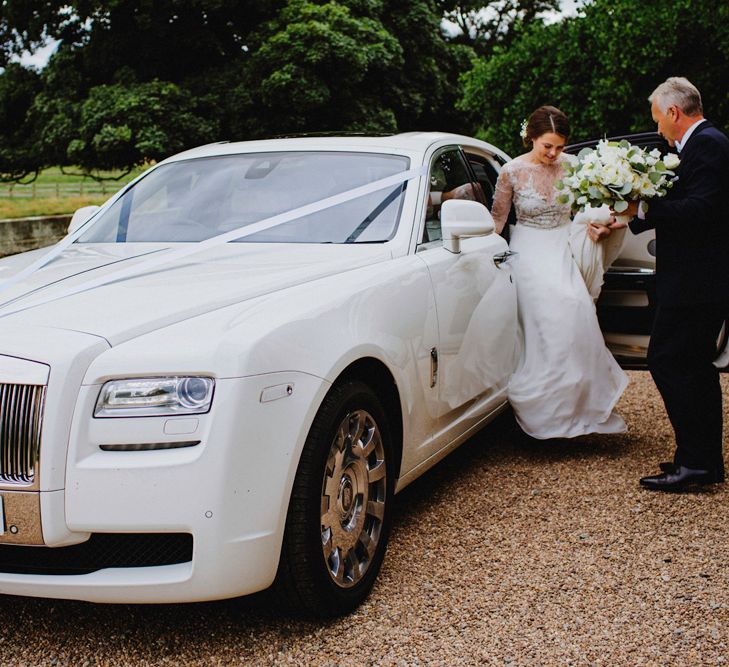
680 354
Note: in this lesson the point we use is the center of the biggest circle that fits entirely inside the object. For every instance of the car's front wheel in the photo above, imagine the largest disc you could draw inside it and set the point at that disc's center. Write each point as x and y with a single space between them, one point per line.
339 514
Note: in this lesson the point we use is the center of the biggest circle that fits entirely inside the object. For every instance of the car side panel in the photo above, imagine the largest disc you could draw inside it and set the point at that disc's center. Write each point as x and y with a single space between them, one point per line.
476 306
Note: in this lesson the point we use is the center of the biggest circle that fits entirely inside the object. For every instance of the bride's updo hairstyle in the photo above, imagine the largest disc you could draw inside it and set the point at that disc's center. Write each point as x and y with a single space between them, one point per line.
545 119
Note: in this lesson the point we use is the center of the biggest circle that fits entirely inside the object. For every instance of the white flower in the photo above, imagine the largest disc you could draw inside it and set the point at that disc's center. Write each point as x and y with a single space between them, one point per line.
647 190
613 172
671 160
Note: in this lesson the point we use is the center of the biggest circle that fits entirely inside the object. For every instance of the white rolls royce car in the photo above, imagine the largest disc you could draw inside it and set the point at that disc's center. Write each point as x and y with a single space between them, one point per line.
216 383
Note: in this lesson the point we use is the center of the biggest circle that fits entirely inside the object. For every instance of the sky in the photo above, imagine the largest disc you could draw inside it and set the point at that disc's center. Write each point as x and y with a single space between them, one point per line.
569 7
40 57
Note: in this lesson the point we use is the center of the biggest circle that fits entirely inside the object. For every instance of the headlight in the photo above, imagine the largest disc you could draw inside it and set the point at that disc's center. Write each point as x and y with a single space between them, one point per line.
147 397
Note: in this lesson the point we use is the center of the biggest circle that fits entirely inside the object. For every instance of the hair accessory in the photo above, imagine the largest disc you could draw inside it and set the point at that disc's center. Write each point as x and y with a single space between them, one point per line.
523 130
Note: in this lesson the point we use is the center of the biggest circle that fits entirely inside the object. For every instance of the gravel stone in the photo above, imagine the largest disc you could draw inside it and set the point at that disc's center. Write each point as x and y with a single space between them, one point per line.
510 552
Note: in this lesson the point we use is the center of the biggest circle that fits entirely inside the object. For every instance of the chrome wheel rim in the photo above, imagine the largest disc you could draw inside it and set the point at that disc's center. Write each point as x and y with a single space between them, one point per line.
353 498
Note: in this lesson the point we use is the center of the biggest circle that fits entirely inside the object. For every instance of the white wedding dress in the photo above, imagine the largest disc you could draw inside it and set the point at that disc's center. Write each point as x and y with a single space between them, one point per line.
567 382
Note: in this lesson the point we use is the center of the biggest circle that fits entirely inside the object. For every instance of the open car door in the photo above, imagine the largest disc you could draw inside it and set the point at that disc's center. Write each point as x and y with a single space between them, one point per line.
627 303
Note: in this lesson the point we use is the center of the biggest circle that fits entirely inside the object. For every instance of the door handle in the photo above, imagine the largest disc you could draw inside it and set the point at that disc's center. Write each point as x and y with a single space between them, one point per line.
433 367
503 257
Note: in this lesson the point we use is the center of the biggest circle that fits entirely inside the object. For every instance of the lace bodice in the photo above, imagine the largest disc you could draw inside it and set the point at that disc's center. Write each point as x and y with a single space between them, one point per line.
531 187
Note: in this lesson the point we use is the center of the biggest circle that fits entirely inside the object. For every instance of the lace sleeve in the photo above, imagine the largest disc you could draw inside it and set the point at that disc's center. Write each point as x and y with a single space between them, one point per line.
502 200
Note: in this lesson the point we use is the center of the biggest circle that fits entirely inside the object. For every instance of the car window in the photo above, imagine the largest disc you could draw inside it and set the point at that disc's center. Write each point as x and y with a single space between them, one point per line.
486 175
192 200
448 175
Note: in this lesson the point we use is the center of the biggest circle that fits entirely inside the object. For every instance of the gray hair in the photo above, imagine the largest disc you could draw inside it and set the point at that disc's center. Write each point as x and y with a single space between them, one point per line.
680 92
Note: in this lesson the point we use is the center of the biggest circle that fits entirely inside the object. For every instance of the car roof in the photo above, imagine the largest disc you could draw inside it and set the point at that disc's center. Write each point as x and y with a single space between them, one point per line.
406 142
642 139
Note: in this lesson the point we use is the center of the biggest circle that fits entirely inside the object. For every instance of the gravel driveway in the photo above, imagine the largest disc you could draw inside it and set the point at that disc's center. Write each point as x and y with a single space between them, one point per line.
509 552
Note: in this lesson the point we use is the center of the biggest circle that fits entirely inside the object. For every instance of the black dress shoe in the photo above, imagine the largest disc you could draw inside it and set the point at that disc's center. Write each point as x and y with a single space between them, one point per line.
670 466
679 479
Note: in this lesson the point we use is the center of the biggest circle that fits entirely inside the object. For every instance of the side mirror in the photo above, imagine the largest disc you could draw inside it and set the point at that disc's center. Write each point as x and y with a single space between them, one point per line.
463 217
81 216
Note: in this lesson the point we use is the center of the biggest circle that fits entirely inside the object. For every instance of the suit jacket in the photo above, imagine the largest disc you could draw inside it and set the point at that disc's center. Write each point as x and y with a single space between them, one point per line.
692 224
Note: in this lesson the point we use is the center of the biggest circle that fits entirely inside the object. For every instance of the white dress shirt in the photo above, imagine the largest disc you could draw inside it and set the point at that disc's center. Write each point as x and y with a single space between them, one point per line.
679 147
687 134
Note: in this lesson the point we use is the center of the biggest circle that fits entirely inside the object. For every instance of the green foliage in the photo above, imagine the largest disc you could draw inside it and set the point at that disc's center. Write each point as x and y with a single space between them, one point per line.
486 25
142 52
163 39
123 126
119 126
423 92
353 65
318 67
599 68
133 81
18 154
24 24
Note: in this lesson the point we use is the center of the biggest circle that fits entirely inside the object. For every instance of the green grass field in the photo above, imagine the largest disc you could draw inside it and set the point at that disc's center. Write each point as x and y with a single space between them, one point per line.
29 207
73 175
55 192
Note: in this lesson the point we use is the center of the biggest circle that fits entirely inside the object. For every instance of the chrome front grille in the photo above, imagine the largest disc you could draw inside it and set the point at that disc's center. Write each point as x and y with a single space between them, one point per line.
21 419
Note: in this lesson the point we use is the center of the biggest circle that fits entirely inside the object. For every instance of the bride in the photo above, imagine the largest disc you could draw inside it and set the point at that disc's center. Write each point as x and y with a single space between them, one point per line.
566 383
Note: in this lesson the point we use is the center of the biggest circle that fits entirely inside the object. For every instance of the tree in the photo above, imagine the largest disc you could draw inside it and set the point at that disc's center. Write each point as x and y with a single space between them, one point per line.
18 149
319 66
486 25
25 25
186 71
600 67
157 39
144 53
353 65
424 91
125 125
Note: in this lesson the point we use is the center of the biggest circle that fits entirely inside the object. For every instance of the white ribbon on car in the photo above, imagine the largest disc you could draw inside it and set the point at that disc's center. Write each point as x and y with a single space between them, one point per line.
179 253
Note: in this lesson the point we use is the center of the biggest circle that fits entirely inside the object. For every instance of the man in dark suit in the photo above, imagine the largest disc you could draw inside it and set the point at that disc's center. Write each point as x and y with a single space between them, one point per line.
692 285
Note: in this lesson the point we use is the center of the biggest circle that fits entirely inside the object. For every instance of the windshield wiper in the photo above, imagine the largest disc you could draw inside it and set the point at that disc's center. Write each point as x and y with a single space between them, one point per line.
355 242
352 238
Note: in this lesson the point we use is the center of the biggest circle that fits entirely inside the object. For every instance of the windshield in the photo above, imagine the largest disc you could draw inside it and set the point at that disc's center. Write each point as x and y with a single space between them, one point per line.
192 200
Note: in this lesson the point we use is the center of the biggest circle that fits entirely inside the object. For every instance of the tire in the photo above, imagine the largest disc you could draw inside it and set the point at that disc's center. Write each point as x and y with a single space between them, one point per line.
339 515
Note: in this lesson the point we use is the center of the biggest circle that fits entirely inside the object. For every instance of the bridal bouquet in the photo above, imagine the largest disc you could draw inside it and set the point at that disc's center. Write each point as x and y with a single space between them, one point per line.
615 173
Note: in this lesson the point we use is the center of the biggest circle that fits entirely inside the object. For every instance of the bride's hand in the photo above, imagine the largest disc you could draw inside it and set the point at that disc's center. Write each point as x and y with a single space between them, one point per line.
597 231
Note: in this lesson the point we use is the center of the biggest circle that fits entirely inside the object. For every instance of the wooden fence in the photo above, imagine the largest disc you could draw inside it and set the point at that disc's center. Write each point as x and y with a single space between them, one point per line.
48 190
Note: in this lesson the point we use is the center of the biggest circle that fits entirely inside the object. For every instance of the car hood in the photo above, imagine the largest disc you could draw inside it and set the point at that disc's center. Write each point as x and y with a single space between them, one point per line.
161 295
